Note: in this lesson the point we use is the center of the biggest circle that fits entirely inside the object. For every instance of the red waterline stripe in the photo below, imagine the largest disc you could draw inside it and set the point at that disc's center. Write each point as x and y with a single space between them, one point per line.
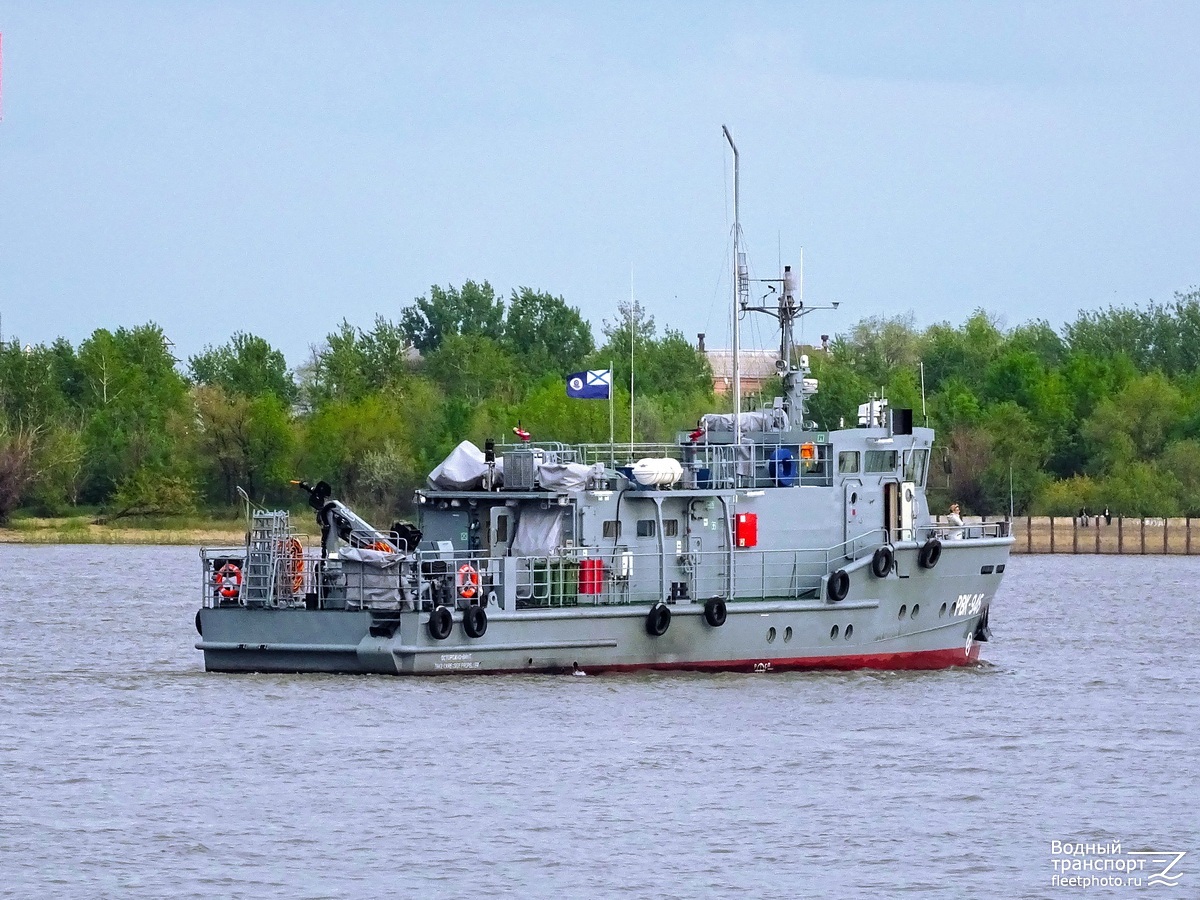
916 660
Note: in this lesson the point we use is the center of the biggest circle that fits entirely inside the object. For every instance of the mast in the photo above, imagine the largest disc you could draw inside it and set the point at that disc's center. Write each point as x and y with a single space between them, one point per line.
737 325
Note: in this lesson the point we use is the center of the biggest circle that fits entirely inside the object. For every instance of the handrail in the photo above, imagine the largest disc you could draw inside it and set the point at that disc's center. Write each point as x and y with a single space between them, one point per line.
560 578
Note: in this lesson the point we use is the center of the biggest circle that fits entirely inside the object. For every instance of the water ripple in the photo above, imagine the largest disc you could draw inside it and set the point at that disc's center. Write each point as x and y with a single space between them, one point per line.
127 771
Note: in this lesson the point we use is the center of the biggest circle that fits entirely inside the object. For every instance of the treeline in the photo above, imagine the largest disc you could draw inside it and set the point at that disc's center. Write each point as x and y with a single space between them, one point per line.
120 427
1105 413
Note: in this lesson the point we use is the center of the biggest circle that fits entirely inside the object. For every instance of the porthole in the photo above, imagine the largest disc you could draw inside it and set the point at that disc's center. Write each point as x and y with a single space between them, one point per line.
849 631
770 635
986 570
903 610
833 633
787 634
999 568
916 609
942 611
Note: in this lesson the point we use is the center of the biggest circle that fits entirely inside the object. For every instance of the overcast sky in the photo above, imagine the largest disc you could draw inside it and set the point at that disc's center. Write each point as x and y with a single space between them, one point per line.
275 167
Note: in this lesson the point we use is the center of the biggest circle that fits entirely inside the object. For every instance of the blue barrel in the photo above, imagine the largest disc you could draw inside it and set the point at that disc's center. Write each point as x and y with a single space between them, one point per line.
782 467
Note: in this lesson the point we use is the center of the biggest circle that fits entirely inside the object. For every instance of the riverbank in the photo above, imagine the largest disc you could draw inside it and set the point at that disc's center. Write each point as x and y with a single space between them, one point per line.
1117 536
81 530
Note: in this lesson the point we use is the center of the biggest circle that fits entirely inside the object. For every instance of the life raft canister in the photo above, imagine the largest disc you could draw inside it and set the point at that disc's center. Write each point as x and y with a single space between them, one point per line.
468 581
228 580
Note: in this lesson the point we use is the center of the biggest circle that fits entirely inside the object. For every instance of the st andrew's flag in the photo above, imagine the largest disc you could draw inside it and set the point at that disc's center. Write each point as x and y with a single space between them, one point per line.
591 385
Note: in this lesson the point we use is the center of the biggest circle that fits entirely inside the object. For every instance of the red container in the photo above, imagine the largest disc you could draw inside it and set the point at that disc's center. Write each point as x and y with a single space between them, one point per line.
746 530
591 576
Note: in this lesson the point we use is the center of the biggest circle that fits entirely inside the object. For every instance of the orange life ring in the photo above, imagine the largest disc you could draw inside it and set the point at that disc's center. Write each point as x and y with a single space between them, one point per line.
293 560
228 580
468 581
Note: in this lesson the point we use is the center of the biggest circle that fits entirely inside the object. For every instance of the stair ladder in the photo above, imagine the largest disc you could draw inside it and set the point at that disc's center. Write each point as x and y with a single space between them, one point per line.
268 530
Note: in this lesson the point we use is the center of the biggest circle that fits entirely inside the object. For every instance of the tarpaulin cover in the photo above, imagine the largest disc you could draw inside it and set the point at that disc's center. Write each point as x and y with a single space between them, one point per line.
372 578
463 470
762 420
567 476
539 531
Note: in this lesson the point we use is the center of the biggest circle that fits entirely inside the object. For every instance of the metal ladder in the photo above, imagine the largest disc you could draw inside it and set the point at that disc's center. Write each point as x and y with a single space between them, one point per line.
268 531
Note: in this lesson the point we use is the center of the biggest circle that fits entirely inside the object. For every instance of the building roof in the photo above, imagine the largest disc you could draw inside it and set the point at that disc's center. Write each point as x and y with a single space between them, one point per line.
754 363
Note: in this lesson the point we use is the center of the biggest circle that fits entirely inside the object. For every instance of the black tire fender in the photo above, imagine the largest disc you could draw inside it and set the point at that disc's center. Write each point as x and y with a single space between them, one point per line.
881 562
475 621
441 623
199 629
838 585
931 552
658 620
715 612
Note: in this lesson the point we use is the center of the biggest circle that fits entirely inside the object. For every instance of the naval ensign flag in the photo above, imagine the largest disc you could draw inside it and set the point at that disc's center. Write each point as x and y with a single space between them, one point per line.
592 385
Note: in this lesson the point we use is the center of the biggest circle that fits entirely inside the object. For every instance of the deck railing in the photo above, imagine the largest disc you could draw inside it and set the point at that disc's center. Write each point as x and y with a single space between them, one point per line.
572 576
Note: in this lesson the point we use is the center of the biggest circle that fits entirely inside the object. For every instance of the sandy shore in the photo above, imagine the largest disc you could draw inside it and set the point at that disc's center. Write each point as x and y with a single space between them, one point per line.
81 531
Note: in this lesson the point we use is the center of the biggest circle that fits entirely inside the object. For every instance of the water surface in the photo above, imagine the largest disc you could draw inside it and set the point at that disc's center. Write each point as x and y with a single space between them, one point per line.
126 771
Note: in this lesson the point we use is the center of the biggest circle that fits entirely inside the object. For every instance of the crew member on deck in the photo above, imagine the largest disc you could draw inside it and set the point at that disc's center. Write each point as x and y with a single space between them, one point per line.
955 518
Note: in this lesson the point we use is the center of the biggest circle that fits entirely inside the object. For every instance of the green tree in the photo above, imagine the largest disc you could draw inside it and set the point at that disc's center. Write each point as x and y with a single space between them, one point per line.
131 391
546 333
149 491
245 365
662 366
1038 338
387 354
840 390
472 310
1140 489
242 441
549 413
338 369
879 347
962 353
474 368
1181 460
18 467
1137 423
1018 451
30 393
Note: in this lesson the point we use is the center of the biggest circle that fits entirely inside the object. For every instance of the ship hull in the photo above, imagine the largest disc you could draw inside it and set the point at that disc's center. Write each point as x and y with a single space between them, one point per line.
931 620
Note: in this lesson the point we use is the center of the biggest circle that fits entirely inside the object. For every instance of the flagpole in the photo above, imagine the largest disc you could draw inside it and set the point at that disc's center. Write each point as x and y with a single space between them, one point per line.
631 343
612 452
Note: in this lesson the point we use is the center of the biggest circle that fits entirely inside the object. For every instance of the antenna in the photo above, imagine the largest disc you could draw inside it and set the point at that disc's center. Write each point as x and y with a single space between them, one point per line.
632 341
737 290
924 414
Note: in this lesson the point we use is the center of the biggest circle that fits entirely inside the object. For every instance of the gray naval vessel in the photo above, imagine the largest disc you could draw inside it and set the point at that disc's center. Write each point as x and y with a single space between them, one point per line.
756 542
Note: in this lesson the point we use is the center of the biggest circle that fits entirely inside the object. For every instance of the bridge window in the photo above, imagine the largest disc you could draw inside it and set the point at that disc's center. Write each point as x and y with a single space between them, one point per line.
612 528
646 528
848 462
915 462
881 460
